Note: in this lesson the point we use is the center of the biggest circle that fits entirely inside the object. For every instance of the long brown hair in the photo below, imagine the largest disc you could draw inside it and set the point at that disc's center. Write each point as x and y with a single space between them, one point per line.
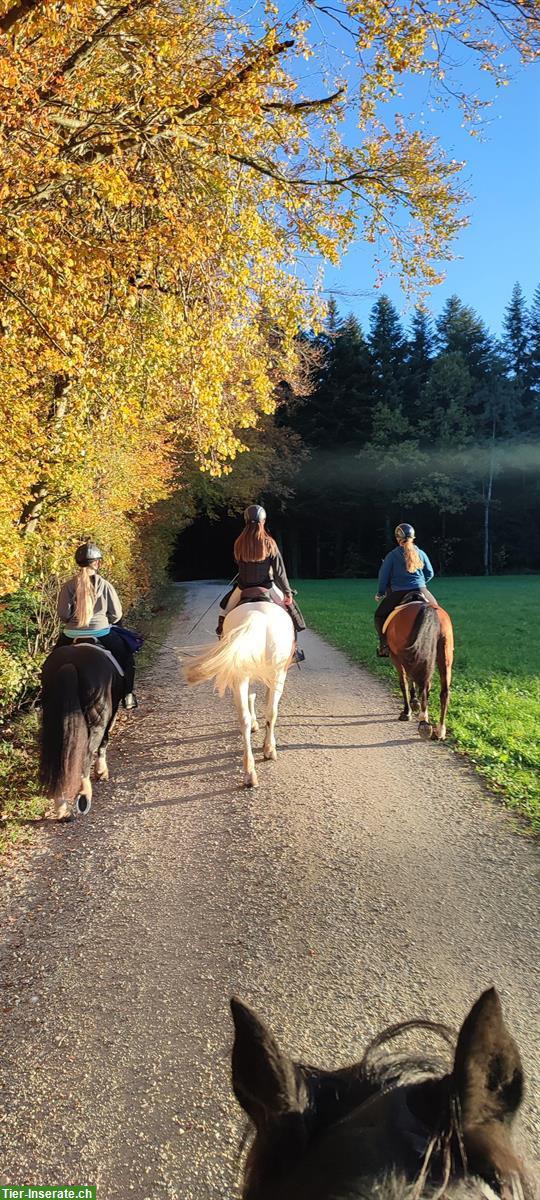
254 544
85 595
413 562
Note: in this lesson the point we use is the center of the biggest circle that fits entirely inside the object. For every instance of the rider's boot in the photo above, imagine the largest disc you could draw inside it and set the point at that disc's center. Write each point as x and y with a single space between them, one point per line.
382 648
130 701
298 654
219 627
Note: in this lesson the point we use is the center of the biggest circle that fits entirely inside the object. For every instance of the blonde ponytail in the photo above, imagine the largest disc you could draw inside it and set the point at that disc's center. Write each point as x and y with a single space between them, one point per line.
85 597
413 562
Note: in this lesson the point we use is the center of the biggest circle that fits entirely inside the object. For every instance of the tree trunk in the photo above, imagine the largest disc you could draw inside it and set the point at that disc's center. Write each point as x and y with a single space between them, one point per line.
318 554
295 557
31 513
487 506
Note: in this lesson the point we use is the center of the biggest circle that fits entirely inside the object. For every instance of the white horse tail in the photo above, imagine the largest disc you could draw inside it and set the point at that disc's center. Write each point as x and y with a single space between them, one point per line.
241 653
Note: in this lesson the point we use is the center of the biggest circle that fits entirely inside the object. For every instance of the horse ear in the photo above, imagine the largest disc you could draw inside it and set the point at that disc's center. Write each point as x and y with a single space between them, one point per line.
487 1074
264 1080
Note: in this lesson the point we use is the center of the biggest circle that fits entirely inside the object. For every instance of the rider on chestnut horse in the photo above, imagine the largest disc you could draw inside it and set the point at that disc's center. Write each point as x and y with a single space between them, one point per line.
405 569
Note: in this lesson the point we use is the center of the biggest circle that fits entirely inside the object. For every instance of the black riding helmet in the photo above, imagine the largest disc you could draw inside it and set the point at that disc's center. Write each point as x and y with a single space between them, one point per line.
255 513
404 531
87 553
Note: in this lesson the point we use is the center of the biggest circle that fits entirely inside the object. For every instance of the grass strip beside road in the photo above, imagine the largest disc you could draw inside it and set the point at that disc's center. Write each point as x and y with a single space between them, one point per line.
21 800
494 715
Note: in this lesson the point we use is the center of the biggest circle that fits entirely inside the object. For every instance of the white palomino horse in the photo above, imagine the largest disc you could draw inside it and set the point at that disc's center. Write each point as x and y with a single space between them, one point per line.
257 643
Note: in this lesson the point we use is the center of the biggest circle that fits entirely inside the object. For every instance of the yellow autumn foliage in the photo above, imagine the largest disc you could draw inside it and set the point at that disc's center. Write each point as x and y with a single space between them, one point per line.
163 176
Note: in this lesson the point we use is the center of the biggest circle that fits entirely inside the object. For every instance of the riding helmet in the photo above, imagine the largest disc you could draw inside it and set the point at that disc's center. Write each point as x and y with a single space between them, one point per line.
87 553
255 513
404 531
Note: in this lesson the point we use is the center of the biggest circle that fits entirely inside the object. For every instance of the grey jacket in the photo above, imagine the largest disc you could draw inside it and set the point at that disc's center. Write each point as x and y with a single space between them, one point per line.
107 608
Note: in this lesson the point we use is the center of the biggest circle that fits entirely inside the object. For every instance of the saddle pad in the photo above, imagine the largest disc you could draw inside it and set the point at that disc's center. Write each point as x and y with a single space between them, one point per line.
399 608
102 650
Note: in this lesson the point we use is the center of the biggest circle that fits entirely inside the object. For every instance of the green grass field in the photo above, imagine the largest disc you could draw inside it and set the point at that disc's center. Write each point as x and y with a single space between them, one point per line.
494 714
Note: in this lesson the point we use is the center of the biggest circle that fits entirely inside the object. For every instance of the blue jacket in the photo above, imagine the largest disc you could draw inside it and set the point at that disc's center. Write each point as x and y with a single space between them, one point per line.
394 576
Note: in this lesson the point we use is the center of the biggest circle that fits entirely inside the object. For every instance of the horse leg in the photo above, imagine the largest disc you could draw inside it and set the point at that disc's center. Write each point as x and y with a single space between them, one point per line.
101 769
241 699
405 715
424 728
415 703
274 697
252 713
445 671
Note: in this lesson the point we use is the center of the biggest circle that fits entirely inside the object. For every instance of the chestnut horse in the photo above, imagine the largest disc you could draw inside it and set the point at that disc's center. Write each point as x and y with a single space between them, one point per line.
420 635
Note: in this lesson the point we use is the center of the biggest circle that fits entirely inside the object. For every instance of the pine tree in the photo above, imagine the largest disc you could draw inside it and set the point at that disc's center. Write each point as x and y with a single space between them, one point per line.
460 330
419 357
532 414
338 412
516 336
387 344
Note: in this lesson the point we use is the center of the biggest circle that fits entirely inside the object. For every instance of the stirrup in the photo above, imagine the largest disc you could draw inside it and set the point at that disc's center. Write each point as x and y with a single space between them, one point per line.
130 701
298 656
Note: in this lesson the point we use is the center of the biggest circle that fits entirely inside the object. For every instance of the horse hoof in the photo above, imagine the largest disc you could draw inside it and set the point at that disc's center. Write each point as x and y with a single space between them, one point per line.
82 805
270 755
425 730
415 706
251 781
103 776
439 734
254 726
405 716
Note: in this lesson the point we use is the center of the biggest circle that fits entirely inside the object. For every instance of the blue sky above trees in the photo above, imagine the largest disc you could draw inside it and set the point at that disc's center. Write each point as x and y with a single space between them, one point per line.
502 242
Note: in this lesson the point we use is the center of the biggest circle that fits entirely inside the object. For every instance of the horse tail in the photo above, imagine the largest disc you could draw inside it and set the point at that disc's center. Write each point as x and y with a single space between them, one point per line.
241 652
419 655
64 734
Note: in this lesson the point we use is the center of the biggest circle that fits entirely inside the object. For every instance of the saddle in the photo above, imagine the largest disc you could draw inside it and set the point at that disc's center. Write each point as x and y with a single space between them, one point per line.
90 641
414 597
250 595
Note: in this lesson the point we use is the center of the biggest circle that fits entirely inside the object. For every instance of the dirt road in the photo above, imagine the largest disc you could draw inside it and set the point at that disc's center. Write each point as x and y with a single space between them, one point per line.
367 879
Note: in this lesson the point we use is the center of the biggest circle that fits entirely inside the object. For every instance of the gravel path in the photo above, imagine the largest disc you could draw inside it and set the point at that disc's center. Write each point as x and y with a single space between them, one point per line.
367 879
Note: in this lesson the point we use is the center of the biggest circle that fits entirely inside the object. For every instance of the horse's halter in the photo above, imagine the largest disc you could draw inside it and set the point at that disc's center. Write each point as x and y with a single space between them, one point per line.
426 1145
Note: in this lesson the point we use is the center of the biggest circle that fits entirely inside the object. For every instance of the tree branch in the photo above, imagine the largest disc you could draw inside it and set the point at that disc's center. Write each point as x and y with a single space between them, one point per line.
291 106
18 13
34 317
82 52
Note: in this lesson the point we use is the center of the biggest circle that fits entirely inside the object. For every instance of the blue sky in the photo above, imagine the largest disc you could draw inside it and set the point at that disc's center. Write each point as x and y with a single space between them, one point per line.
502 176
502 243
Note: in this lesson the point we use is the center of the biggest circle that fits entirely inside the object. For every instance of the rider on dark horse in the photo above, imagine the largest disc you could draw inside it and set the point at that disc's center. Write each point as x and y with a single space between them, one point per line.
405 569
90 609
261 567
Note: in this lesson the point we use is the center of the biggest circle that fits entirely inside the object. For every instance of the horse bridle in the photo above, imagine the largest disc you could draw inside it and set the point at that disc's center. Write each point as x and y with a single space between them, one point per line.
424 1144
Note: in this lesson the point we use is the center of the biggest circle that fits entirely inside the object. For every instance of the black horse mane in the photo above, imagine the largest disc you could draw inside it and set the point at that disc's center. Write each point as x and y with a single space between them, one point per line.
383 1072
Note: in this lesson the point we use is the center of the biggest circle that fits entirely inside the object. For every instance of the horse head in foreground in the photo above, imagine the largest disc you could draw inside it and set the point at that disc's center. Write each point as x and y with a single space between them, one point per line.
420 636
389 1127
81 691
257 643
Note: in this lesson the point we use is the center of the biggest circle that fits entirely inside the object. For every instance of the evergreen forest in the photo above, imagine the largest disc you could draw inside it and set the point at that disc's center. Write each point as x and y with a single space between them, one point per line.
437 424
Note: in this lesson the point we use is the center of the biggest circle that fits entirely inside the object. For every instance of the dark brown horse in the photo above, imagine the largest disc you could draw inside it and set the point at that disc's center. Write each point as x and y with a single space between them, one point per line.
420 635
81 691
389 1127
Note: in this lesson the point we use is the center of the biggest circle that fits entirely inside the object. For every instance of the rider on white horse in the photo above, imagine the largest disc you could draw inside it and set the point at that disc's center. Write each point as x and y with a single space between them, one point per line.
260 568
